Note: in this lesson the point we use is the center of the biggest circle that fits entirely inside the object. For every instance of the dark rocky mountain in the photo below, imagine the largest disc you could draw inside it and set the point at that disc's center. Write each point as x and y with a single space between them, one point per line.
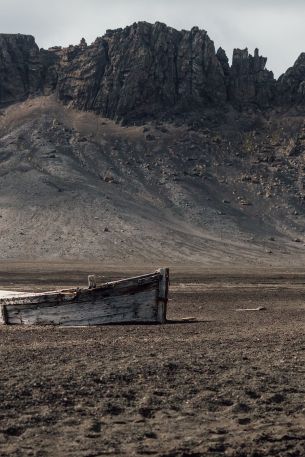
144 71
206 163
21 69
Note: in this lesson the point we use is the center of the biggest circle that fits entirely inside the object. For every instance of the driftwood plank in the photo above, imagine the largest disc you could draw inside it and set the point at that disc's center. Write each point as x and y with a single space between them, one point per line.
260 308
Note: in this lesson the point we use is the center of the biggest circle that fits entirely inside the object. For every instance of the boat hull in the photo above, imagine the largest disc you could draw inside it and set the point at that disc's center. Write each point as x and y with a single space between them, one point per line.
142 299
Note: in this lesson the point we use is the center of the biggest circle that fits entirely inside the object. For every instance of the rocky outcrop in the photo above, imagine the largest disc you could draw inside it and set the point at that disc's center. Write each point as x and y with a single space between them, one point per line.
140 71
144 71
291 85
250 82
223 59
79 71
20 68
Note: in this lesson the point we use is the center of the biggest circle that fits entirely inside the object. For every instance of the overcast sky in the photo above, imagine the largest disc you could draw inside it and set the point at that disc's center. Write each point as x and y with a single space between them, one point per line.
276 27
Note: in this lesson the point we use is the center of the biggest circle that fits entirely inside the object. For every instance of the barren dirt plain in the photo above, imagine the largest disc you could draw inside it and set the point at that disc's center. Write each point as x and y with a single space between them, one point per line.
232 383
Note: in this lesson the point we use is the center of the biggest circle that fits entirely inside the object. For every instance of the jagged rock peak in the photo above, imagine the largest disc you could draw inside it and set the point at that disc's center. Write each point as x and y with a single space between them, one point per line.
83 43
250 81
141 71
242 58
291 85
145 70
223 59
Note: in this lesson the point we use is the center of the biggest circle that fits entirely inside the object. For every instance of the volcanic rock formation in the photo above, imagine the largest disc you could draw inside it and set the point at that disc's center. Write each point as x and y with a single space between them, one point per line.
142 71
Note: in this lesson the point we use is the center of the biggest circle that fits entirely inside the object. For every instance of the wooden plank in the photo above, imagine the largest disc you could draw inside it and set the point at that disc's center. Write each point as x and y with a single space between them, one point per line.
261 308
91 282
9 293
109 289
141 307
163 294
3 315
77 299
77 303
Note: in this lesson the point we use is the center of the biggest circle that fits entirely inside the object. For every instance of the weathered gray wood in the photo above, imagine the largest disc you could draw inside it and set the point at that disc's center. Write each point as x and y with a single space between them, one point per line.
76 304
109 289
139 299
163 294
3 315
91 282
261 308
141 307
76 299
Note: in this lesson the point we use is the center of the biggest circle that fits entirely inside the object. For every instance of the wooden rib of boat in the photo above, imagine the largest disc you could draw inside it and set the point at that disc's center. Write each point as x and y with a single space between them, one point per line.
142 299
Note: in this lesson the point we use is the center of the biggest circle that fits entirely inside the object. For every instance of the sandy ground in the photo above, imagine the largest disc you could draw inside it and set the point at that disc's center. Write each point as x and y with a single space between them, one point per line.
231 383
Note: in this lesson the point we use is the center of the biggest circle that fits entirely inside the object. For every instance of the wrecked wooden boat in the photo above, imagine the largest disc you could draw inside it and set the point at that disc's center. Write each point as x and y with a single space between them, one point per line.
142 299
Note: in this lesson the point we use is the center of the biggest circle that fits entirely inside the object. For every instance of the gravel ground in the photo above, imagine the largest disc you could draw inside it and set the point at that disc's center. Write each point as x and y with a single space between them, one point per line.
231 383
